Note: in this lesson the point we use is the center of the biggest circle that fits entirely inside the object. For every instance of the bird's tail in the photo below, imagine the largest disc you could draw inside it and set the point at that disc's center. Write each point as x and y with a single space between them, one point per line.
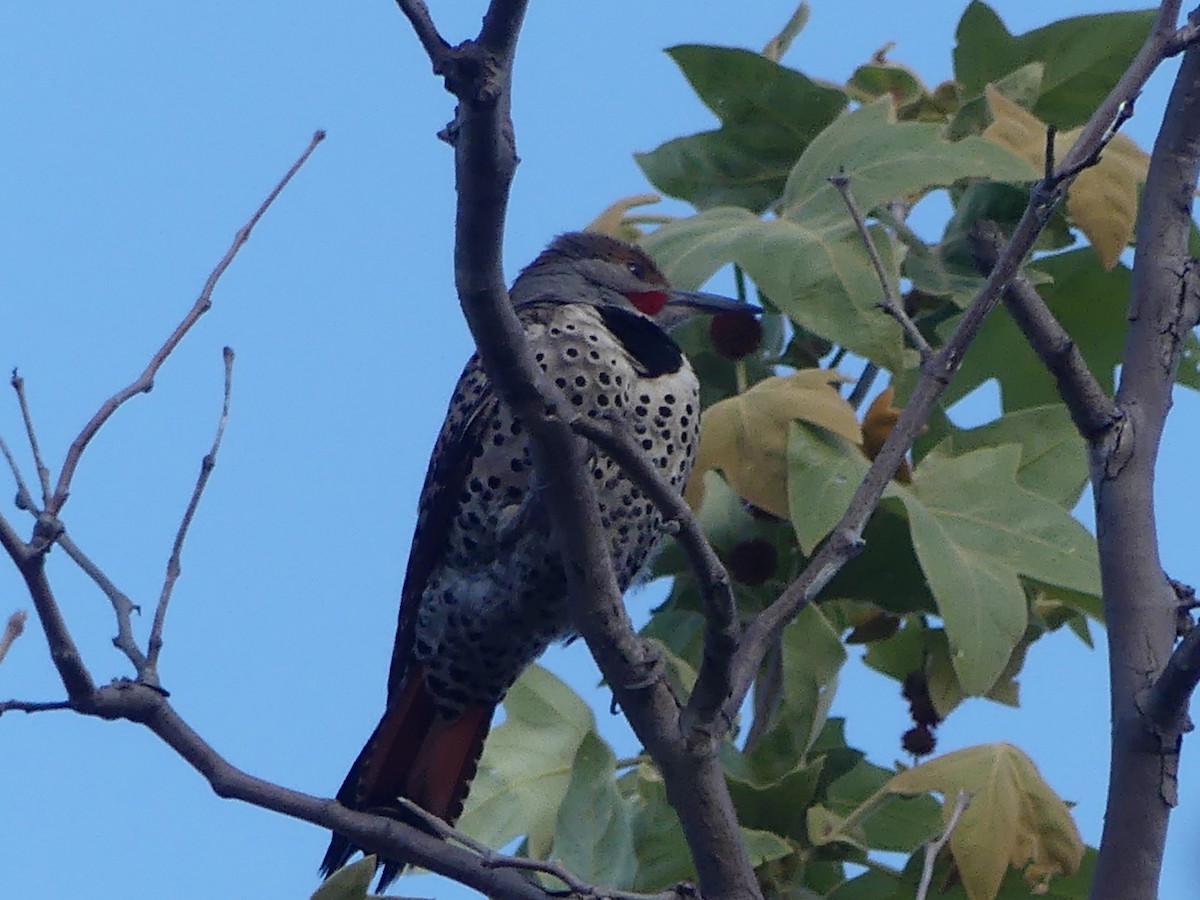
414 752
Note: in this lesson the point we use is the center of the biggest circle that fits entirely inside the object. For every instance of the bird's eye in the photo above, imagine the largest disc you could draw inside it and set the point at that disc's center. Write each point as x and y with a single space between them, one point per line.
636 269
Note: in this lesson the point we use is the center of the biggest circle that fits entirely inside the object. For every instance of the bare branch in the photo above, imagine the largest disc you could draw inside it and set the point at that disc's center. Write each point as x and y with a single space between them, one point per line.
1167 700
845 541
934 847
422 23
1092 410
891 303
145 382
12 630
18 385
122 606
716 590
28 706
154 646
147 706
24 499
30 560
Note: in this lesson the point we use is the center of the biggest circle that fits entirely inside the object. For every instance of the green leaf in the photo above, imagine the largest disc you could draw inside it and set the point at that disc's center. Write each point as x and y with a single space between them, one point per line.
594 837
1053 456
822 279
772 805
763 846
349 882
812 657
975 529
872 884
1022 86
902 653
824 472
1084 56
662 854
886 159
526 767
811 261
769 114
895 824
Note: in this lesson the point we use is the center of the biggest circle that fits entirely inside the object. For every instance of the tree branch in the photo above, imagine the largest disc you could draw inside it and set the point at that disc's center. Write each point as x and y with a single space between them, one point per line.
145 382
845 541
154 646
1167 699
30 560
24 500
891 303
1140 605
934 847
27 706
479 75
18 385
123 607
716 590
1091 409
143 704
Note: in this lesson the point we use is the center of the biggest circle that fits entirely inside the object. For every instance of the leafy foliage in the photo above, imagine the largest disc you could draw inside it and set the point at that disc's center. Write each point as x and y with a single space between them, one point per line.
973 554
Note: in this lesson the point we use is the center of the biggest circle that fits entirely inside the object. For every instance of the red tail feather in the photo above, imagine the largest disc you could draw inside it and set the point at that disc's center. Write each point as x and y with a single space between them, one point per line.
416 753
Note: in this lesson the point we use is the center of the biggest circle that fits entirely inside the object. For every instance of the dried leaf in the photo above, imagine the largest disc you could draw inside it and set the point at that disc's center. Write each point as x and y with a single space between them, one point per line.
614 222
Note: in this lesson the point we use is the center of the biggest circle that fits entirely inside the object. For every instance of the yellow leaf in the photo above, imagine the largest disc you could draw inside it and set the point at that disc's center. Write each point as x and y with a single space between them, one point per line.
613 220
746 436
1016 129
1103 200
1014 818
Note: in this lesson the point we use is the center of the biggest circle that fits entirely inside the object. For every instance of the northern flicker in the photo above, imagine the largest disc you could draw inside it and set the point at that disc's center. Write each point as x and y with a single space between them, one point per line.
485 592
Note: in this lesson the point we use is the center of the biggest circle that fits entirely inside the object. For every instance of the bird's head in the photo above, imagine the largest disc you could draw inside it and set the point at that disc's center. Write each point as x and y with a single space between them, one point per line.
584 267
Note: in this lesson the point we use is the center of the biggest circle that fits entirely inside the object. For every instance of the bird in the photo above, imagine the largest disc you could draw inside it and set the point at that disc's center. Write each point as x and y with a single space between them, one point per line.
485 592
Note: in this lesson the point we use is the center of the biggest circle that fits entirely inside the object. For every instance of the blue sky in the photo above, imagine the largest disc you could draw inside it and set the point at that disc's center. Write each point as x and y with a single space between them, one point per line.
137 140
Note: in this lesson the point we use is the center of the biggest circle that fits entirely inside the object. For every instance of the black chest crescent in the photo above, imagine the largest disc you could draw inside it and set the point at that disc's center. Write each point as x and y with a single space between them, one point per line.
652 347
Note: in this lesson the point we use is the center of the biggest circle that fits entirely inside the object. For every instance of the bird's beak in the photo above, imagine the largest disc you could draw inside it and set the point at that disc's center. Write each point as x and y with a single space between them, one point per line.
709 303
683 305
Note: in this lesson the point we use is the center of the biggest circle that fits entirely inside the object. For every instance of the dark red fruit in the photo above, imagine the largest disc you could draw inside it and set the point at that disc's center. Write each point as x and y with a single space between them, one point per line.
919 741
753 562
735 335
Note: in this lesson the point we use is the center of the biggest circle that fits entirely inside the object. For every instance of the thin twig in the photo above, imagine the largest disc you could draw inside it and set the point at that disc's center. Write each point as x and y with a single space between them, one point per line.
28 706
145 382
123 607
207 464
934 847
12 630
24 499
18 385
891 303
